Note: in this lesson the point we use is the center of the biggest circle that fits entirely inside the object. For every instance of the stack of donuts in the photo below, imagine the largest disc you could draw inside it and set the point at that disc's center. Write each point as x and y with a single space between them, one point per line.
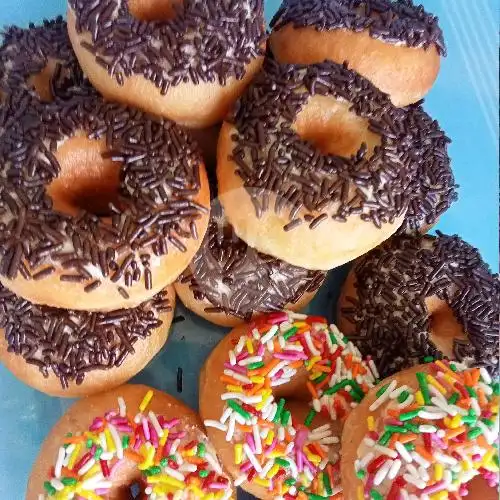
85 196
150 149
104 201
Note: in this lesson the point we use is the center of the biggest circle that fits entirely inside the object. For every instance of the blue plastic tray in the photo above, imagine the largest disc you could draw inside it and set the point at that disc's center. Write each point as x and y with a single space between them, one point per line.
464 100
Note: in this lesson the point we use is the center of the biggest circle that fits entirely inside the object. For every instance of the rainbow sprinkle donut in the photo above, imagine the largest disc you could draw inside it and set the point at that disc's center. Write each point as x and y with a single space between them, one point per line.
277 391
429 432
166 455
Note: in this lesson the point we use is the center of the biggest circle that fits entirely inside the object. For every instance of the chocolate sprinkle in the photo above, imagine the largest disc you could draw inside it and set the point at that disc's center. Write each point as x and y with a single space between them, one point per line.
179 379
392 282
178 319
391 21
272 158
207 41
159 178
432 189
238 280
73 343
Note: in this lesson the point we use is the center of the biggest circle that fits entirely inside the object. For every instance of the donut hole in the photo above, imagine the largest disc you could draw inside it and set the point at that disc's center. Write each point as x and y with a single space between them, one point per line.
444 328
87 180
330 126
154 10
40 82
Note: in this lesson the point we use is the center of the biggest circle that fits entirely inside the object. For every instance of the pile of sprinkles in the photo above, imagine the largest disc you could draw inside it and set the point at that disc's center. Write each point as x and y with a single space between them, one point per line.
391 320
207 41
271 449
430 442
72 343
271 157
392 21
156 212
238 280
171 466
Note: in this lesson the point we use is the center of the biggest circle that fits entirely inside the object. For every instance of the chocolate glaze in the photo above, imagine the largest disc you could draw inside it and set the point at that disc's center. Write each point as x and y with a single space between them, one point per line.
392 282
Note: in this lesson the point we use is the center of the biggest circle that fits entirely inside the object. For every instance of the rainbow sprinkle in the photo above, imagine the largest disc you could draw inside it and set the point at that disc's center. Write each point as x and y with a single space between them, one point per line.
288 458
430 442
172 466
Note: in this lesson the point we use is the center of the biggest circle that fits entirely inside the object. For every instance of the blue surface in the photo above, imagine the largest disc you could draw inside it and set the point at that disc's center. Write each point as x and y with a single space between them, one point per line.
464 100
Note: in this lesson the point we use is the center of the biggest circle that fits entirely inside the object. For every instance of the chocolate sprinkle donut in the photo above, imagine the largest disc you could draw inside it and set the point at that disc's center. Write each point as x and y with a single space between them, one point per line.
271 157
26 52
208 40
432 189
391 319
390 21
73 343
159 177
238 280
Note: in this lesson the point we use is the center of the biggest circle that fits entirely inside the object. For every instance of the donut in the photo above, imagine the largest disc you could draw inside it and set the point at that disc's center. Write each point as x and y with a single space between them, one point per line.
189 63
273 397
426 431
432 189
40 61
75 353
37 65
415 297
317 154
395 44
131 439
101 206
228 282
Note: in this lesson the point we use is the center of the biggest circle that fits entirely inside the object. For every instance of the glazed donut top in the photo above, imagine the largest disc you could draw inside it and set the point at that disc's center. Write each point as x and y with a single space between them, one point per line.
208 40
238 280
171 466
393 281
432 189
159 176
72 343
271 448
391 21
434 439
